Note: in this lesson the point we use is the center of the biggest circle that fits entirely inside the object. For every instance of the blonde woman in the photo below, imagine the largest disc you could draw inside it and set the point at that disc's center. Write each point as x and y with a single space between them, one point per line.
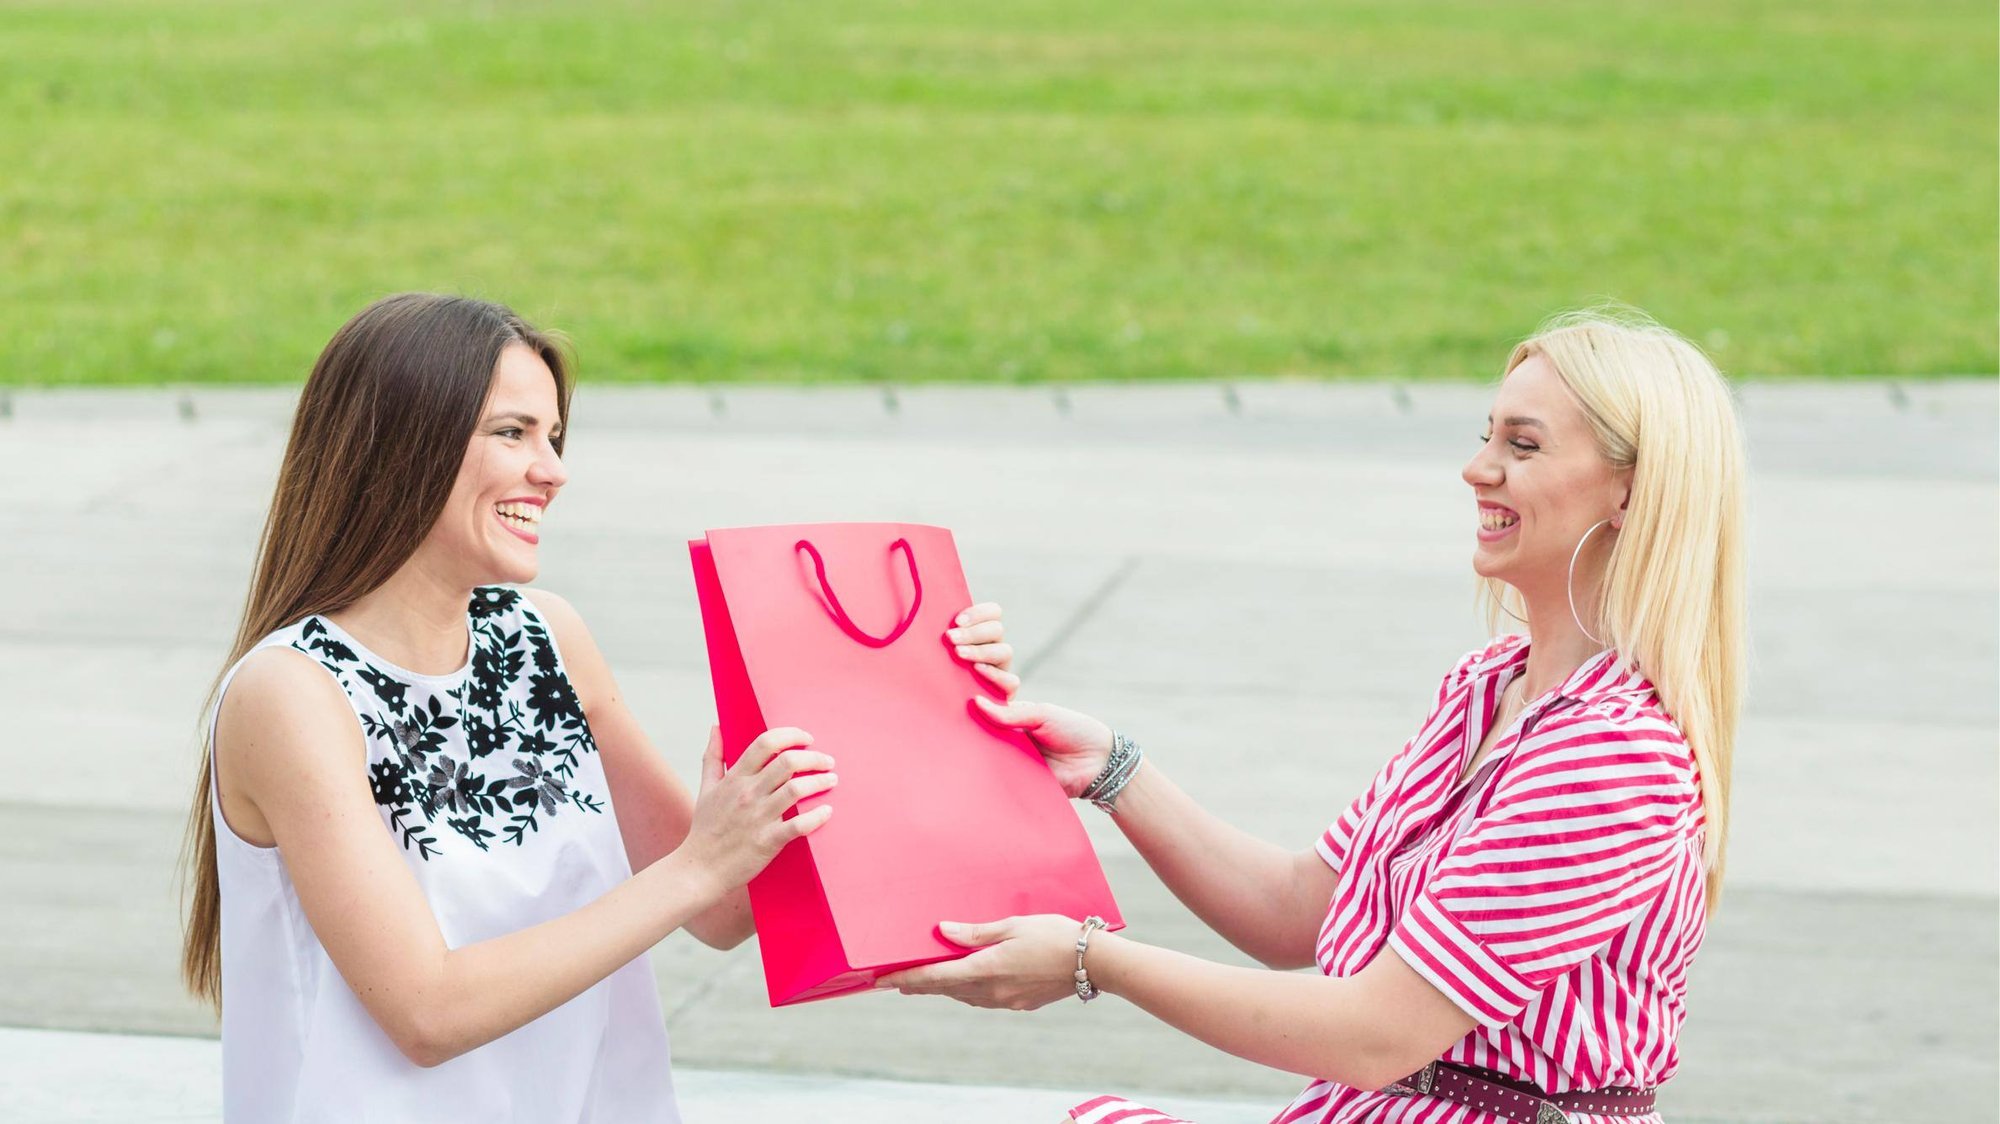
1503 922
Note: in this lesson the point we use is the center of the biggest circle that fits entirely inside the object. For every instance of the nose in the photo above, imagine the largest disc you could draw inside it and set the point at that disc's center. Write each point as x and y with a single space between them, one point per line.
1483 470
548 470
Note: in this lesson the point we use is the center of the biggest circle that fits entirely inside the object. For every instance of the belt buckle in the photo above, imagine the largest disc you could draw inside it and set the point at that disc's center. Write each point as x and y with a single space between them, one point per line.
1547 1113
1420 1084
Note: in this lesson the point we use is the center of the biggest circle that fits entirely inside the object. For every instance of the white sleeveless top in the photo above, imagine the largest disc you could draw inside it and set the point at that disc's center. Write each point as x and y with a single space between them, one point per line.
490 783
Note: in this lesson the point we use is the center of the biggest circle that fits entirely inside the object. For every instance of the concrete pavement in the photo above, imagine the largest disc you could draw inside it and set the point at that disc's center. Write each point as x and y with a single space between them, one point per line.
146 1079
1262 582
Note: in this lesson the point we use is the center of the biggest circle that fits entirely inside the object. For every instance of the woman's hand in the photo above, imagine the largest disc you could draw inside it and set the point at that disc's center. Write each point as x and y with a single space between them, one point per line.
978 638
1074 746
739 817
1022 963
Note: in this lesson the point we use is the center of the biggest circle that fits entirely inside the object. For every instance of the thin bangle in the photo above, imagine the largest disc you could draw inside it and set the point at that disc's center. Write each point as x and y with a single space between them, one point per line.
1085 990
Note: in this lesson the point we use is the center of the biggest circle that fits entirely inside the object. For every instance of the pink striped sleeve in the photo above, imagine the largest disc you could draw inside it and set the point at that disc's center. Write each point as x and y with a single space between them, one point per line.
1337 841
1586 822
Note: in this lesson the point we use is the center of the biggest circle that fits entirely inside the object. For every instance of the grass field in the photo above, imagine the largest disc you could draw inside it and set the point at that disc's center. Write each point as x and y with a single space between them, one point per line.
1055 189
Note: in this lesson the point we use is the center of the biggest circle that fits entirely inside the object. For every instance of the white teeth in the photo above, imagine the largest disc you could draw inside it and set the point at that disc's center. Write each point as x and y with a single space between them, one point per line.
526 514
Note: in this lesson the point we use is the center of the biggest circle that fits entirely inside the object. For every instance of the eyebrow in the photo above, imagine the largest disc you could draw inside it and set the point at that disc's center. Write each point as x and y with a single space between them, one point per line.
528 420
1519 420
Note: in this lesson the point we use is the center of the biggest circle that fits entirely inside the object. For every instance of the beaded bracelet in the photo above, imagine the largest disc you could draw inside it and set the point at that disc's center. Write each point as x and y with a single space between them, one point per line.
1118 771
1085 990
1113 759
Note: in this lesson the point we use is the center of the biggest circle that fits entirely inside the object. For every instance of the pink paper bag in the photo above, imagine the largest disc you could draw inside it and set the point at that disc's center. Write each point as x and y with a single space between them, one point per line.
838 629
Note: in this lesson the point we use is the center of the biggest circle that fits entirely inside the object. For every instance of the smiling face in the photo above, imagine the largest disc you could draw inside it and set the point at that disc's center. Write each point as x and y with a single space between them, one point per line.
490 528
1541 482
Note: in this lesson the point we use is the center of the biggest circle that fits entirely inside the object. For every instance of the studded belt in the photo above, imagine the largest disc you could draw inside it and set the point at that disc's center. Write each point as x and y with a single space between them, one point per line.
1514 1100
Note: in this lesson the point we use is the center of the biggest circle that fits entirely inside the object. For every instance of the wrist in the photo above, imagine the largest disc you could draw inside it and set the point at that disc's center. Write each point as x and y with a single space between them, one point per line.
1138 789
1086 990
698 879
1094 754
1120 767
1101 960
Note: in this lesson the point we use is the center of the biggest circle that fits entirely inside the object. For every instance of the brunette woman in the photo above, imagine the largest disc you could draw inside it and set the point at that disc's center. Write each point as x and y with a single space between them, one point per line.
414 839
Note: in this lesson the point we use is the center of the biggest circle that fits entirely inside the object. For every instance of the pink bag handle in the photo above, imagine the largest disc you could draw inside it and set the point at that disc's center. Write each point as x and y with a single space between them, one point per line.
846 622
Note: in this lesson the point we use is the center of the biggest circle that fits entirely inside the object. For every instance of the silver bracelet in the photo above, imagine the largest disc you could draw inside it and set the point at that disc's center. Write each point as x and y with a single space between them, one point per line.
1120 749
1115 763
1119 768
1085 990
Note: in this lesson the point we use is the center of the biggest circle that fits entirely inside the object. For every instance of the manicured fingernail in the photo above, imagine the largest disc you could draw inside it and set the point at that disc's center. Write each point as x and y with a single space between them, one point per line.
963 650
960 619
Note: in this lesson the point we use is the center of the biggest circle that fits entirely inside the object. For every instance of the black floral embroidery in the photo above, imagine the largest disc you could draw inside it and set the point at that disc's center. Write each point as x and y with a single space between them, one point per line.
482 737
334 649
553 702
389 690
389 782
443 758
491 601
468 826
545 652
494 665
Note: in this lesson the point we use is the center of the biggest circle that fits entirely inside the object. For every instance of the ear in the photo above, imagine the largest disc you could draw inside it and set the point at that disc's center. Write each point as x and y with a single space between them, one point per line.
1624 500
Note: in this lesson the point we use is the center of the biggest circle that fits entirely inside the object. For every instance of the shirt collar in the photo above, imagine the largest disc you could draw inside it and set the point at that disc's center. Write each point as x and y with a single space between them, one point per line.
1604 676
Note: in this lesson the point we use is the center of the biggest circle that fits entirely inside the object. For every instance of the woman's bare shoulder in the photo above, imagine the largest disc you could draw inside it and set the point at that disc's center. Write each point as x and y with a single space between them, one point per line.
563 620
280 686
282 720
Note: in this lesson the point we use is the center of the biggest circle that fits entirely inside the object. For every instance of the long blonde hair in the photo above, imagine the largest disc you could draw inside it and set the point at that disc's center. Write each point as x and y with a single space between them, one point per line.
1672 599
376 443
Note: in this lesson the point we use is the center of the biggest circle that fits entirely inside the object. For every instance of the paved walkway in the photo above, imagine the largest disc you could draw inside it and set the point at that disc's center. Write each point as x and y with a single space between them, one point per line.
1262 582
53 1075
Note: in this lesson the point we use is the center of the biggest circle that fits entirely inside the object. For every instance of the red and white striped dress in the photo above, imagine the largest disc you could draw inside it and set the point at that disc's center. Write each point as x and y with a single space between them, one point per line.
1558 898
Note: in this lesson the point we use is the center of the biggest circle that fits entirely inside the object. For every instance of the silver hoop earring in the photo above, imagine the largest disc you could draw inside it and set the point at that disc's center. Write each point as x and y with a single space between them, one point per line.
1569 583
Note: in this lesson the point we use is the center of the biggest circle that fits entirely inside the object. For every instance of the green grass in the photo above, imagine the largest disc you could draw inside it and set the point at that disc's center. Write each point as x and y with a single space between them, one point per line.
1055 189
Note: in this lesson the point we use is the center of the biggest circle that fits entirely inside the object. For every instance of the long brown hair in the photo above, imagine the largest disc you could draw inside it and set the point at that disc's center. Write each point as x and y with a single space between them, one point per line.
377 440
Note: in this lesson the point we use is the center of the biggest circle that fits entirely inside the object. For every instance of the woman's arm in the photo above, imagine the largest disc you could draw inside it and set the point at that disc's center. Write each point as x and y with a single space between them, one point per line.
290 757
1366 1030
653 804
1263 899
